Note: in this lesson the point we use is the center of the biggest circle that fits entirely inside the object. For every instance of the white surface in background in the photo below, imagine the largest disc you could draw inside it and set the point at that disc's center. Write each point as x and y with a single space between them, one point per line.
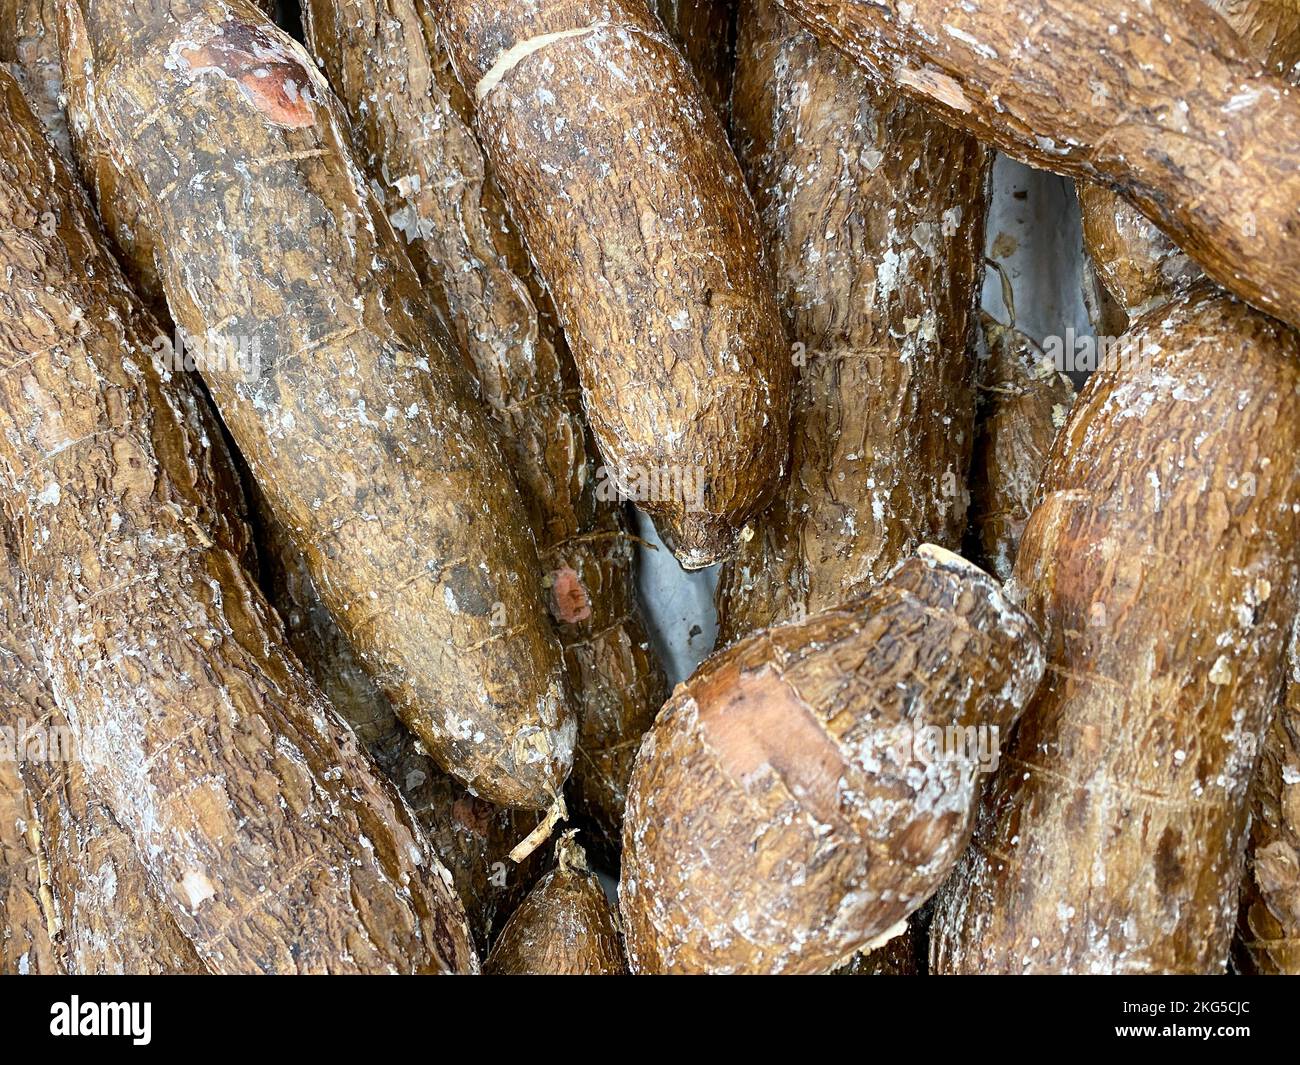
678 605
1037 240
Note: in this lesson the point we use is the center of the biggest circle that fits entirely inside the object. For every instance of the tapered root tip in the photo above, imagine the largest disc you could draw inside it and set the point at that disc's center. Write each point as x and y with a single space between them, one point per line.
699 540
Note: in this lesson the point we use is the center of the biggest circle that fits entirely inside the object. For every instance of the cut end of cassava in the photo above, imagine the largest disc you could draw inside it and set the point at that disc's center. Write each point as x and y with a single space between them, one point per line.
698 540
961 569
570 603
949 560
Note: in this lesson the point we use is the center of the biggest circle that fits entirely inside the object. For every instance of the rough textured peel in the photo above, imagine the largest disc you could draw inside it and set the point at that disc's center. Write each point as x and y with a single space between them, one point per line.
785 809
26 945
1179 117
565 927
618 173
1024 401
705 31
354 413
1268 927
29 45
28 928
29 42
1143 269
473 838
873 212
1139 265
411 124
1161 565
267 835
75 897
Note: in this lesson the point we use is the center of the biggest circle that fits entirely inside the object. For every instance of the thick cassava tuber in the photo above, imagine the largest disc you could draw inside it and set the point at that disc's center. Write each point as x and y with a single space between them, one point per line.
634 209
29 46
267 835
29 42
565 927
1024 402
356 418
97 913
1139 265
1268 928
411 124
1161 564
1153 99
874 214
1143 269
792 804
472 837
73 896
36 64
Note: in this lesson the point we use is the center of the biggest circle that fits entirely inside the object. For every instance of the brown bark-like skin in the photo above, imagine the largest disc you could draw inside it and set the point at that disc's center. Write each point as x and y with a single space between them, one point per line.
110 921
874 214
26 947
705 31
566 926
1139 265
359 423
1161 564
620 177
34 53
1268 927
27 925
1269 922
29 43
121 207
472 837
268 836
1151 99
411 122
1144 269
1024 402
781 816
85 904
95 893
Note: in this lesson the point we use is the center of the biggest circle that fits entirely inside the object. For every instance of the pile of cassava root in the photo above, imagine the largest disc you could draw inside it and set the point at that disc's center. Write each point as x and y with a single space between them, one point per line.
330 370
